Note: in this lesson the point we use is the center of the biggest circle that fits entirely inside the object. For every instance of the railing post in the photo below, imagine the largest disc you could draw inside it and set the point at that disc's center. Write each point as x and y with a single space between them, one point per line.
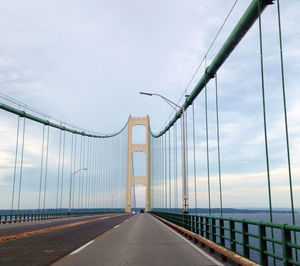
212 232
262 244
185 221
207 227
213 229
201 227
222 240
222 236
286 249
245 240
232 236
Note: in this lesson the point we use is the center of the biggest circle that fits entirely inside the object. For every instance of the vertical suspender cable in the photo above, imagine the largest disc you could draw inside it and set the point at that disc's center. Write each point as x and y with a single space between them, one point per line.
88 172
176 172
58 170
286 119
21 166
109 197
265 123
165 181
264 114
102 173
80 174
46 169
173 174
71 172
62 170
169 169
106 174
100 162
112 173
218 139
41 171
92 179
113 154
187 154
97 174
105 154
152 180
74 169
83 174
93 186
162 173
158 173
207 147
153 170
91 172
194 151
15 166
92 150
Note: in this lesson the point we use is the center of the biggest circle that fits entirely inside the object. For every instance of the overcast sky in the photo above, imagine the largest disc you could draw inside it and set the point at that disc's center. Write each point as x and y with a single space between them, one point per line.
85 62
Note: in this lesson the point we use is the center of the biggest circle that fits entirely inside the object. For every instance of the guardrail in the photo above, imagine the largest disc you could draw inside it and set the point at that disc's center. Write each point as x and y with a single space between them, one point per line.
18 218
251 239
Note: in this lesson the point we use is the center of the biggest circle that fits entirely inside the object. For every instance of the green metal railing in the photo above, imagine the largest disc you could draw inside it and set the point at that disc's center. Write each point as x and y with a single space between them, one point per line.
26 217
250 239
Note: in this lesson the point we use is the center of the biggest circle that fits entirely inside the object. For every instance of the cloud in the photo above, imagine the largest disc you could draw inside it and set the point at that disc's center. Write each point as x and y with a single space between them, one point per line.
86 63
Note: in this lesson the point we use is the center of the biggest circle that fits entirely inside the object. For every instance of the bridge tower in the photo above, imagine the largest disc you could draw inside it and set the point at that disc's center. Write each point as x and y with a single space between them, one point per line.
132 148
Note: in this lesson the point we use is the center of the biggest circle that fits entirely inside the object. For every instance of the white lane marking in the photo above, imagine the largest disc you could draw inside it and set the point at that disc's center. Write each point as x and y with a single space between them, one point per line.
81 248
116 226
193 245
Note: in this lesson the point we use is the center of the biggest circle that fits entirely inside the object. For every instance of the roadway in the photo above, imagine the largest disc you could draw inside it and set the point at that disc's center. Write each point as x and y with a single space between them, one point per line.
140 240
45 242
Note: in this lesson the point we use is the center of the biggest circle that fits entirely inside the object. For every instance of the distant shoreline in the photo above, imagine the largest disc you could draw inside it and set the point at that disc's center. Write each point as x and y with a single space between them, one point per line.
233 210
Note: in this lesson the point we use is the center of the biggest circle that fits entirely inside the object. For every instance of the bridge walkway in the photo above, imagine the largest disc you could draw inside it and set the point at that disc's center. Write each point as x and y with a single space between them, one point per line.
140 240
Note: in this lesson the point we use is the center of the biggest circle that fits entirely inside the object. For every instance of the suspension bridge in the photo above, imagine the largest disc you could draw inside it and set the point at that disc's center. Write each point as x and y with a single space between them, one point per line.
68 195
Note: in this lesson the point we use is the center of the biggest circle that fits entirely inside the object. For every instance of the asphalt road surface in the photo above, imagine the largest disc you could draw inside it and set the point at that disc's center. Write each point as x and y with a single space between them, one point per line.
45 242
140 240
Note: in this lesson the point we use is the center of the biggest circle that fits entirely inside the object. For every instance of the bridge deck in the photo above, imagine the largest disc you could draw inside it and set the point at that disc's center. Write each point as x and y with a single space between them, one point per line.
141 240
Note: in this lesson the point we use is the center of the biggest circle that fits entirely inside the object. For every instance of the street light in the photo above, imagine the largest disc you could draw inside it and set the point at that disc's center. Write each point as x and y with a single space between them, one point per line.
174 105
71 178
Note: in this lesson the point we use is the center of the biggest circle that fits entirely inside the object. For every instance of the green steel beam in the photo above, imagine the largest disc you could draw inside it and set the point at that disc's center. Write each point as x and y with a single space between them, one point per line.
244 24
51 124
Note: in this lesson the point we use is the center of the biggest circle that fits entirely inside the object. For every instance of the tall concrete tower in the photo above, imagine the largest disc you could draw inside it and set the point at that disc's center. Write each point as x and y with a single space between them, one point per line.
132 148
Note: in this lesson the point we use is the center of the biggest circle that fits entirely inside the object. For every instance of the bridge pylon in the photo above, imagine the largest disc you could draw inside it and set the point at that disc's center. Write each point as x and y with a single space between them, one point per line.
132 148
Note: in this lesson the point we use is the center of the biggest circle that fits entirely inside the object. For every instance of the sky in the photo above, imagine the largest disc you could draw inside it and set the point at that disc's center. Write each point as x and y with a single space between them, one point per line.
85 62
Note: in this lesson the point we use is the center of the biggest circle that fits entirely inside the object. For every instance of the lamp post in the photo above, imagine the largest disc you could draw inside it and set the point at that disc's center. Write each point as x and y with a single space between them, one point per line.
174 105
71 179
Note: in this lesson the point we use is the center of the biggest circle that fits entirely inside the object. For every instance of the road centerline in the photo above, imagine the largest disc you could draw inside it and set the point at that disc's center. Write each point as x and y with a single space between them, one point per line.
51 229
